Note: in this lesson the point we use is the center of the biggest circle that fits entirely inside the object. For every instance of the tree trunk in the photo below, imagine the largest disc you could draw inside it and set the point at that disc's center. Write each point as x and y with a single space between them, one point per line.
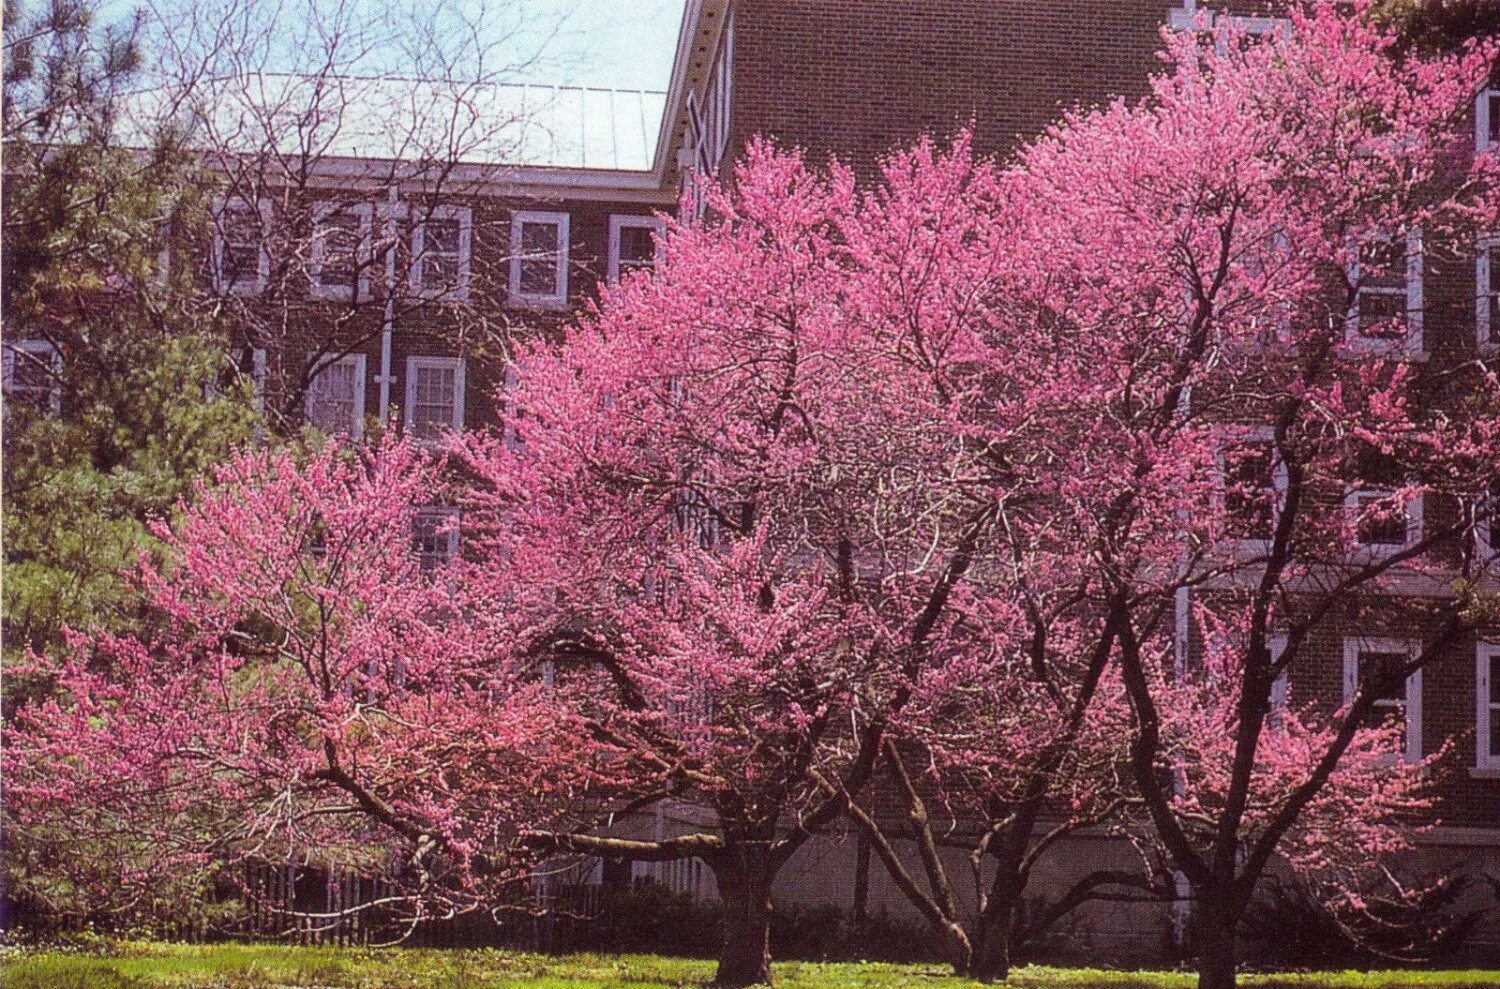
1218 950
991 960
744 876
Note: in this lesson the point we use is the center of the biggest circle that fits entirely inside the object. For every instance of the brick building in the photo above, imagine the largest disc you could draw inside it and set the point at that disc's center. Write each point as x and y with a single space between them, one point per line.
396 302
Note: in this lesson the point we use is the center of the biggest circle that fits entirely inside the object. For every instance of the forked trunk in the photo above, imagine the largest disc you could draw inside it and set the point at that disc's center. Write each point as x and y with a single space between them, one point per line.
992 937
744 877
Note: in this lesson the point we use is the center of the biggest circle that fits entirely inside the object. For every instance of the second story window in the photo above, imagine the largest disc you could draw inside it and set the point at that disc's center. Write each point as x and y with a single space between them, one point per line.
1487 706
434 537
31 375
1380 519
1376 664
1487 526
434 397
1386 315
634 244
538 258
441 242
241 263
336 397
339 257
1254 483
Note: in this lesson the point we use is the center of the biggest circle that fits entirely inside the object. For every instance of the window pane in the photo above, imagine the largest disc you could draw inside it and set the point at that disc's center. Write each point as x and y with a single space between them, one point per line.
1250 490
333 397
539 243
440 253
1493 290
1381 520
434 401
1378 671
1382 263
340 233
240 255
32 378
432 539
1494 703
1382 314
1494 99
637 248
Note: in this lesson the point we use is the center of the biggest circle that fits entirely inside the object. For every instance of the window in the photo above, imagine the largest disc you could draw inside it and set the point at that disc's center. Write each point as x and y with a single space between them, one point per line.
434 537
434 396
1253 484
1487 280
336 397
241 262
31 375
440 246
1387 311
1487 705
1372 662
633 244
539 259
1487 526
1379 519
1189 17
339 258
1487 119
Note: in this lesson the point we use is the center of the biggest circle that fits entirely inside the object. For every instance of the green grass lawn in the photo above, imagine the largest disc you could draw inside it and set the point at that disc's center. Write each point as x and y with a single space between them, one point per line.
132 965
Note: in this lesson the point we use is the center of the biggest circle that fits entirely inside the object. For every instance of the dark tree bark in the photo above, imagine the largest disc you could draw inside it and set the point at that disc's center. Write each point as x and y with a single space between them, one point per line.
744 873
1217 945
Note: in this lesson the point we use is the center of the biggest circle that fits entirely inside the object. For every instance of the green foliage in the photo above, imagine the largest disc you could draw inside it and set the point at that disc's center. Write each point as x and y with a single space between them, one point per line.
1440 23
115 965
146 401
145 407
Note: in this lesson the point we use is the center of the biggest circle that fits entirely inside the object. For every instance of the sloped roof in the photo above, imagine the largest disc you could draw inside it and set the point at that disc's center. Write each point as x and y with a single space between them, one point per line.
388 118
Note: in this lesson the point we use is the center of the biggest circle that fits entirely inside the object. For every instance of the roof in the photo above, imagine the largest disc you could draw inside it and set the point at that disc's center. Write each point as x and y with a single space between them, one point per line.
391 118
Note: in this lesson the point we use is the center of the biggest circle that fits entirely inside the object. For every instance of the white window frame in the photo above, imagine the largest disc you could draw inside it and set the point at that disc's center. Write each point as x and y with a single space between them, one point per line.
1484 552
465 217
1413 345
1482 118
1276 645
34 349
356 428
450 515
362 257
620 221
1484 282
242 285
415 362
557 299
1486 706
1353 646
1189 17
1279 479
1374 551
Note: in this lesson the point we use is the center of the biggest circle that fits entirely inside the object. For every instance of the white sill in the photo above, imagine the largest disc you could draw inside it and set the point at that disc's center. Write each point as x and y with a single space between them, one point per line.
1484 773
536 302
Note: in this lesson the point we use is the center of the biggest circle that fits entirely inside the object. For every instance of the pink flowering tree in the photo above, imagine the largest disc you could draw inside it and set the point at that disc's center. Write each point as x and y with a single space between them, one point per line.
1268 425
310 696
730 516
1010 746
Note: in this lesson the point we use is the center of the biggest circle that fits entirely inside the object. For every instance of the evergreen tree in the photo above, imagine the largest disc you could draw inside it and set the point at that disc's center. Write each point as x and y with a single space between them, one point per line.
117 393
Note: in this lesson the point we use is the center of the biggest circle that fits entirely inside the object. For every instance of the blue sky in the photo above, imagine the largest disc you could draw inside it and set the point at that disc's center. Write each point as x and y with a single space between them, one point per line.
613 44
616 44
